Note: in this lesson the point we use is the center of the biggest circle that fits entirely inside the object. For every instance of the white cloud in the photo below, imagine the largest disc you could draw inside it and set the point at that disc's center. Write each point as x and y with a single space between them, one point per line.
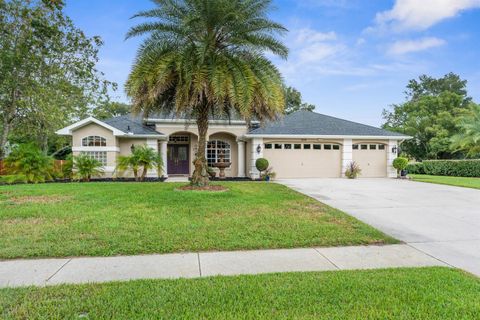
406 46
307 35
421 14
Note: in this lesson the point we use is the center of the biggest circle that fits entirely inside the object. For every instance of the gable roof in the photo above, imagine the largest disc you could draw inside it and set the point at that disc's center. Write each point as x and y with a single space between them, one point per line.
307 123
120 126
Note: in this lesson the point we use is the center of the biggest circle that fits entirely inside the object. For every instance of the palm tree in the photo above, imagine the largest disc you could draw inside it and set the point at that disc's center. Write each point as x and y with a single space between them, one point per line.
469 138
85 167
143 157
207 57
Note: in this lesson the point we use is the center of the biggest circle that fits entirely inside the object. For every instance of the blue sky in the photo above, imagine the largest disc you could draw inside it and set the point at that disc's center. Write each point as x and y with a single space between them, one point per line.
351 58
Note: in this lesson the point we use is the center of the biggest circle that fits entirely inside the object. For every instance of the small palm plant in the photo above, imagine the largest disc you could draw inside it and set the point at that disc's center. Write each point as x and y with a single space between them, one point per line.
30 164
143 157
85 167
353 170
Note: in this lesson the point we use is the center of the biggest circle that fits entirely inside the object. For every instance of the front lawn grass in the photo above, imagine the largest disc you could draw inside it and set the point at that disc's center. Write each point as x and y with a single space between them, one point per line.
452 181
104 219
423 293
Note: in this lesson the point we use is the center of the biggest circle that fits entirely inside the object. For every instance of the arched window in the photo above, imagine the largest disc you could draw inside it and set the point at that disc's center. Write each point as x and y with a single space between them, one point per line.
215 148
94 141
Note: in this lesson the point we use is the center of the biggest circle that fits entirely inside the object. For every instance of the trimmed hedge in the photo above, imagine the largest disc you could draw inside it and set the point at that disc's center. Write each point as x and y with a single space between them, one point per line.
454 168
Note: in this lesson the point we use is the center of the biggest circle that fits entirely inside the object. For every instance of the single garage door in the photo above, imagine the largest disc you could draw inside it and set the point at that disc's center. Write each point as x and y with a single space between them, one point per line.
372 159
304 160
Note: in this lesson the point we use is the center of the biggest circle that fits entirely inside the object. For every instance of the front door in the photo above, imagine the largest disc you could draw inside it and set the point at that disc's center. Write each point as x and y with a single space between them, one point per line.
178 162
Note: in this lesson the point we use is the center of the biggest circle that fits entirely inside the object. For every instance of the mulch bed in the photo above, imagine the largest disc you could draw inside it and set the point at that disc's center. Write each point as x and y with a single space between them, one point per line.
214 188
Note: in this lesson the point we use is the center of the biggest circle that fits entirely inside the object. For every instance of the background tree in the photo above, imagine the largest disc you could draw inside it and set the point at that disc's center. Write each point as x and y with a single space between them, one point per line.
111 109
204 57
47 66
430 115
293 101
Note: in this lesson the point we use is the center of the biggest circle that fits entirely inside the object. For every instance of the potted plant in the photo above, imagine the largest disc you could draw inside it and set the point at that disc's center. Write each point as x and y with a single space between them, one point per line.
400 164
268 174
261 164
353 170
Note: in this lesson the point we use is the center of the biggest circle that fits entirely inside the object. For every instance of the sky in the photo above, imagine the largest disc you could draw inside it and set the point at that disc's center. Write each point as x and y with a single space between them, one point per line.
350 58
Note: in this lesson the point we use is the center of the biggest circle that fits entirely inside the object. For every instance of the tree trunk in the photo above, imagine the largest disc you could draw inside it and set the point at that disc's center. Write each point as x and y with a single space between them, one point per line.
200 174
144 173
135 174
4 136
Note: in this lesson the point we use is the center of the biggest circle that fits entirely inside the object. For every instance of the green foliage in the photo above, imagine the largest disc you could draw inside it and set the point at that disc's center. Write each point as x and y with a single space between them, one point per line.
208 57
86 167
400 163
293 101
261 164
48 72
268 174
111 109
13 179
430 115
468 139
353 170
415 168
29 161
456 168
143 157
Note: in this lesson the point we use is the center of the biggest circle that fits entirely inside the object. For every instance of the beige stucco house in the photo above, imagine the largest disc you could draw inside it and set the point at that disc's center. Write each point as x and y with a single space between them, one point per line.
300 145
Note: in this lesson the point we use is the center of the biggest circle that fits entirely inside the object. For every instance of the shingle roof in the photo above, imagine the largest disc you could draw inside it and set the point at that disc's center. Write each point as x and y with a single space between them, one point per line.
234 116
131 124
312 123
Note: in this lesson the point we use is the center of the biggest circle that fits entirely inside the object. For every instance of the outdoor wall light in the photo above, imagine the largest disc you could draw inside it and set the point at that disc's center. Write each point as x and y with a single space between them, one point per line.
394 149
259 149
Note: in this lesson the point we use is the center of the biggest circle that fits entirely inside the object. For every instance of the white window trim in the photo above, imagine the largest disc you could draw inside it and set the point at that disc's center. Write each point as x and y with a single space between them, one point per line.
216 150
94 136
86 149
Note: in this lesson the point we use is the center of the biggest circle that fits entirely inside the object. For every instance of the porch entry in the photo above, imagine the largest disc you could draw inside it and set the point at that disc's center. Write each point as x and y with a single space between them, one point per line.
178 159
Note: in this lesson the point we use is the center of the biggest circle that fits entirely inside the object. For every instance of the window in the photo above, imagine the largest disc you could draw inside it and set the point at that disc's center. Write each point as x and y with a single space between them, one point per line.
364 146
287 146
94 141
355 147
327 146
373 147
317 146
381 147
278 146
97 155
215 148
297 146
179 138
336 147
268 146
306 146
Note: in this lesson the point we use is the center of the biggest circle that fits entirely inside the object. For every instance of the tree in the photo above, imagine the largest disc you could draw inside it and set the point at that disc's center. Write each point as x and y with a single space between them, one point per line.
468 140
206 57
85 167
111 109
293 101
142 157
430 116
47 67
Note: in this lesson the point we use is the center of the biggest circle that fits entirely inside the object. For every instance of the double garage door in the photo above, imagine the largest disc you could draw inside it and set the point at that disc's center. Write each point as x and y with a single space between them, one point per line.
304 160
323 160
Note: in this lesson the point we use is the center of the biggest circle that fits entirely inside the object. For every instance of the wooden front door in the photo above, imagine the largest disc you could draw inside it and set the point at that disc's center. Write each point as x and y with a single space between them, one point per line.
178 159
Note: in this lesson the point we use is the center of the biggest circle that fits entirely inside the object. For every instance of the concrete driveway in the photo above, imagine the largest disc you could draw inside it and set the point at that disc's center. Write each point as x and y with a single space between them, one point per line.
442 221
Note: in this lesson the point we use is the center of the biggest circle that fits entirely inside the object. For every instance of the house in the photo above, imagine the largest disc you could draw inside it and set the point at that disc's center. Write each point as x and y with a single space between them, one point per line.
300 145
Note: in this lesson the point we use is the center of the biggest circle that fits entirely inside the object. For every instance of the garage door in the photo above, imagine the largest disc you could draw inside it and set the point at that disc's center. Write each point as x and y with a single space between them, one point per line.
372 159
304 160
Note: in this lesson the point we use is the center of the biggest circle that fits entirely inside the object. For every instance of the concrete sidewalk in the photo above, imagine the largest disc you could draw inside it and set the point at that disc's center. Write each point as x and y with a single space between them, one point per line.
42 272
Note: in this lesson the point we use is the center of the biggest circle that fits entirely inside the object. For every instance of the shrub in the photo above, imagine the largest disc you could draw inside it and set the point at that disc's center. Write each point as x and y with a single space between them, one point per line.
261 164
269 174
30 163
13 179
353 170
400 164
457 168
415 168
85 167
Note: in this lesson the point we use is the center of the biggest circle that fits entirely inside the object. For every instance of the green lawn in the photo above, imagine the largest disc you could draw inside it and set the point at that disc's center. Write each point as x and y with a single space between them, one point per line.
103 219
452 181
423 293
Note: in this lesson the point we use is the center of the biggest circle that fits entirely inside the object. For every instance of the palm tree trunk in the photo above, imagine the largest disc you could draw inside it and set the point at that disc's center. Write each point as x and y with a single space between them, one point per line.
144 173
200 174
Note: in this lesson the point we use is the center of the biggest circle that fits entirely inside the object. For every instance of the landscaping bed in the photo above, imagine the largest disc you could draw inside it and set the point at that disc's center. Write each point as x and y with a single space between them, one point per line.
416 293
106 219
